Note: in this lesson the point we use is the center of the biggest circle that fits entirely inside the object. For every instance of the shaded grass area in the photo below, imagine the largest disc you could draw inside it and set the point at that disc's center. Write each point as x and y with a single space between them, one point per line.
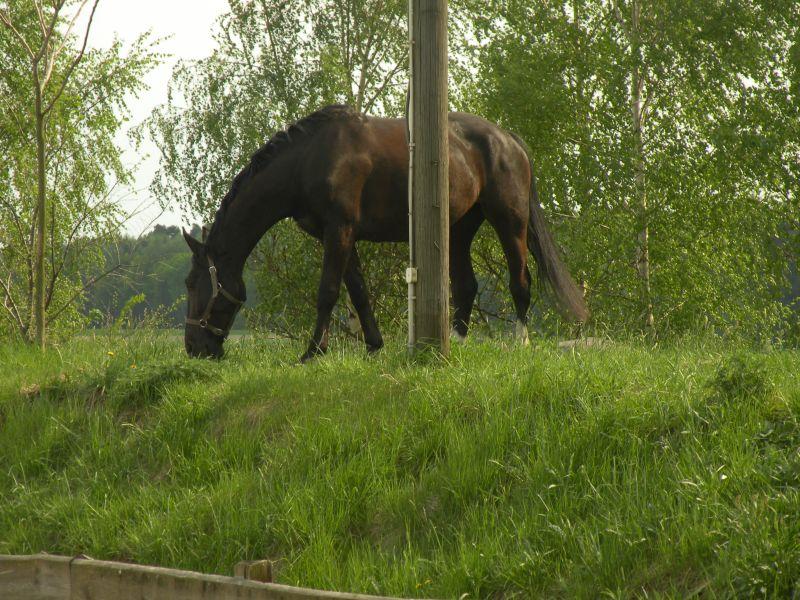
508 472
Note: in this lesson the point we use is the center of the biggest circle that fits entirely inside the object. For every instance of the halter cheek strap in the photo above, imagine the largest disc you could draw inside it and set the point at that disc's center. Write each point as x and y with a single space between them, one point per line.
216 290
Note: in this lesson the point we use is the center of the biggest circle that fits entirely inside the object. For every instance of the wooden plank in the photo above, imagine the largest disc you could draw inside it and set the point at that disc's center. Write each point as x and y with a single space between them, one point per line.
36 577
430 178
46 577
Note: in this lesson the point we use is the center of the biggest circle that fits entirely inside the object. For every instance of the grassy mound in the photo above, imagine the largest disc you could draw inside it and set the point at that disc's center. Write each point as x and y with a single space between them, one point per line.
509 472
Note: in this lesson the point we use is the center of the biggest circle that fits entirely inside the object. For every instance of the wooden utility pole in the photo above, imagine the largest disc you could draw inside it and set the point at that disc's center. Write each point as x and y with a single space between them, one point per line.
429 206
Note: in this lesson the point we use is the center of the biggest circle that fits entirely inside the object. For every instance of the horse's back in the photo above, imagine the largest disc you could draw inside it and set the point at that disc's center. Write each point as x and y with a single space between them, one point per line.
365 168
470 141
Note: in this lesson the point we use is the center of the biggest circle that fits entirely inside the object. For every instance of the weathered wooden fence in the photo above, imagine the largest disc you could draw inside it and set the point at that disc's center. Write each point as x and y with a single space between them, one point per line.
49 577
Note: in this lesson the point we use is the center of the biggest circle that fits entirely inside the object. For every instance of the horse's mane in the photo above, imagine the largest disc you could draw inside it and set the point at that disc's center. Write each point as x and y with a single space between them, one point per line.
308 125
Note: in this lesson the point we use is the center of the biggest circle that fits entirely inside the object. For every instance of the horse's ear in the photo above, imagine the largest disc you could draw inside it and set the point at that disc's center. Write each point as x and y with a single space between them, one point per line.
205 233
194 245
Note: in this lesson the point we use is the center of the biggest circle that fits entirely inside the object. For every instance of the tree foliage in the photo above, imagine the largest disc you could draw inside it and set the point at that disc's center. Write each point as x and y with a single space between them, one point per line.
720 150
151 268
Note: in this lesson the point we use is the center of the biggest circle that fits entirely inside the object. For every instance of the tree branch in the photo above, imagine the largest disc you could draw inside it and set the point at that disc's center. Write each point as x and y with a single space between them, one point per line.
48 33
6 20
389 77
12 310
74 63
67 31
52 317
16 217
40 15
68 245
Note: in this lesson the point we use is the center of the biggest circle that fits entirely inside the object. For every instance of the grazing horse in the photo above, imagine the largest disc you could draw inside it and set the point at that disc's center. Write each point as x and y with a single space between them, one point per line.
343 177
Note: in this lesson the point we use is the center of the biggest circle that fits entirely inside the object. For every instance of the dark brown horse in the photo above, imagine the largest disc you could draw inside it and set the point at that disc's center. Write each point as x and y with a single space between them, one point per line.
343 177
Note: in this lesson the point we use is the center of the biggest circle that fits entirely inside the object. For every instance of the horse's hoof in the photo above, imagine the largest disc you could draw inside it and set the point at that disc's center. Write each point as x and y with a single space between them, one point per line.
373 348
458 337
521 334
311 353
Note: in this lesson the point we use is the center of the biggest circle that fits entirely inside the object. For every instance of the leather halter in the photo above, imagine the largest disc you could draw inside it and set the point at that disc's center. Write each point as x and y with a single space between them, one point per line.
216 290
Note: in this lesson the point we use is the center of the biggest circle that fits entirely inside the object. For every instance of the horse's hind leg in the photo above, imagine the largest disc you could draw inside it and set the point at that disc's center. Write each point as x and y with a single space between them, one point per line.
516 250
462 276
337 242
511 227
357 288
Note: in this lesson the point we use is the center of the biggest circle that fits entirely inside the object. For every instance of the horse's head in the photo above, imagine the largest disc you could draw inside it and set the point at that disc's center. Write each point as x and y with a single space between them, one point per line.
214 299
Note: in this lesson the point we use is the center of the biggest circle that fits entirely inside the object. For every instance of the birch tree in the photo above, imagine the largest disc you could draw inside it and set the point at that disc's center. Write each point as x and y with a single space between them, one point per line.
61 106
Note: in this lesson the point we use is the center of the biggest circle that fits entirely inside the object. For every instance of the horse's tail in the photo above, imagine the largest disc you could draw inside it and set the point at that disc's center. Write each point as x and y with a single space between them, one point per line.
549 263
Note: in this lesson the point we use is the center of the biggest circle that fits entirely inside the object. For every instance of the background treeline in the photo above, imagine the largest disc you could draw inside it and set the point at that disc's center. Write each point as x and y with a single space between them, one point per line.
666 137
146 285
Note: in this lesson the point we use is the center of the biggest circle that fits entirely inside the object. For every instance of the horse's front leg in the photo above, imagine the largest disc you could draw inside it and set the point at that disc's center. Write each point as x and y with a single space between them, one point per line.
337 244
357 288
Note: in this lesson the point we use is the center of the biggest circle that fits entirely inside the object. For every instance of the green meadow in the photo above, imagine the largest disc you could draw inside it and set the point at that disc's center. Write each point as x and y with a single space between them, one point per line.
630 470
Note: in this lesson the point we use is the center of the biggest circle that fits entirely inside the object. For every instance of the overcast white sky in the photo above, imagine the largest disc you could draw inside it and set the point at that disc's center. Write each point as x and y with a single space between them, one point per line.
188 24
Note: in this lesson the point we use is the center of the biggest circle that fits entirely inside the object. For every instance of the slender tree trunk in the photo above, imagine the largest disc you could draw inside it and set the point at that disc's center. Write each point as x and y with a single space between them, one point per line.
583 134
640 189
40 216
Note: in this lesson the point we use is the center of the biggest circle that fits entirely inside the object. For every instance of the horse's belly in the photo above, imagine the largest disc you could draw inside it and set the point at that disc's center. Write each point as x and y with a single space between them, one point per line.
383 209
394 227
384 223
383 214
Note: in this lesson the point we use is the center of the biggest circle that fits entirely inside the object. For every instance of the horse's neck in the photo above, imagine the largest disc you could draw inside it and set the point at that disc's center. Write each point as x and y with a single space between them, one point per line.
254 210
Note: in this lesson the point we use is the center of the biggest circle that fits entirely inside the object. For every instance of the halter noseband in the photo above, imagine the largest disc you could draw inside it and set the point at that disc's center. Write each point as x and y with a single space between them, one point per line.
216 290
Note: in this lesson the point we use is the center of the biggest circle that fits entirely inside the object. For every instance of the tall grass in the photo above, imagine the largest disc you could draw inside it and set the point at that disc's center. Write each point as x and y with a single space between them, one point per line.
506 472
